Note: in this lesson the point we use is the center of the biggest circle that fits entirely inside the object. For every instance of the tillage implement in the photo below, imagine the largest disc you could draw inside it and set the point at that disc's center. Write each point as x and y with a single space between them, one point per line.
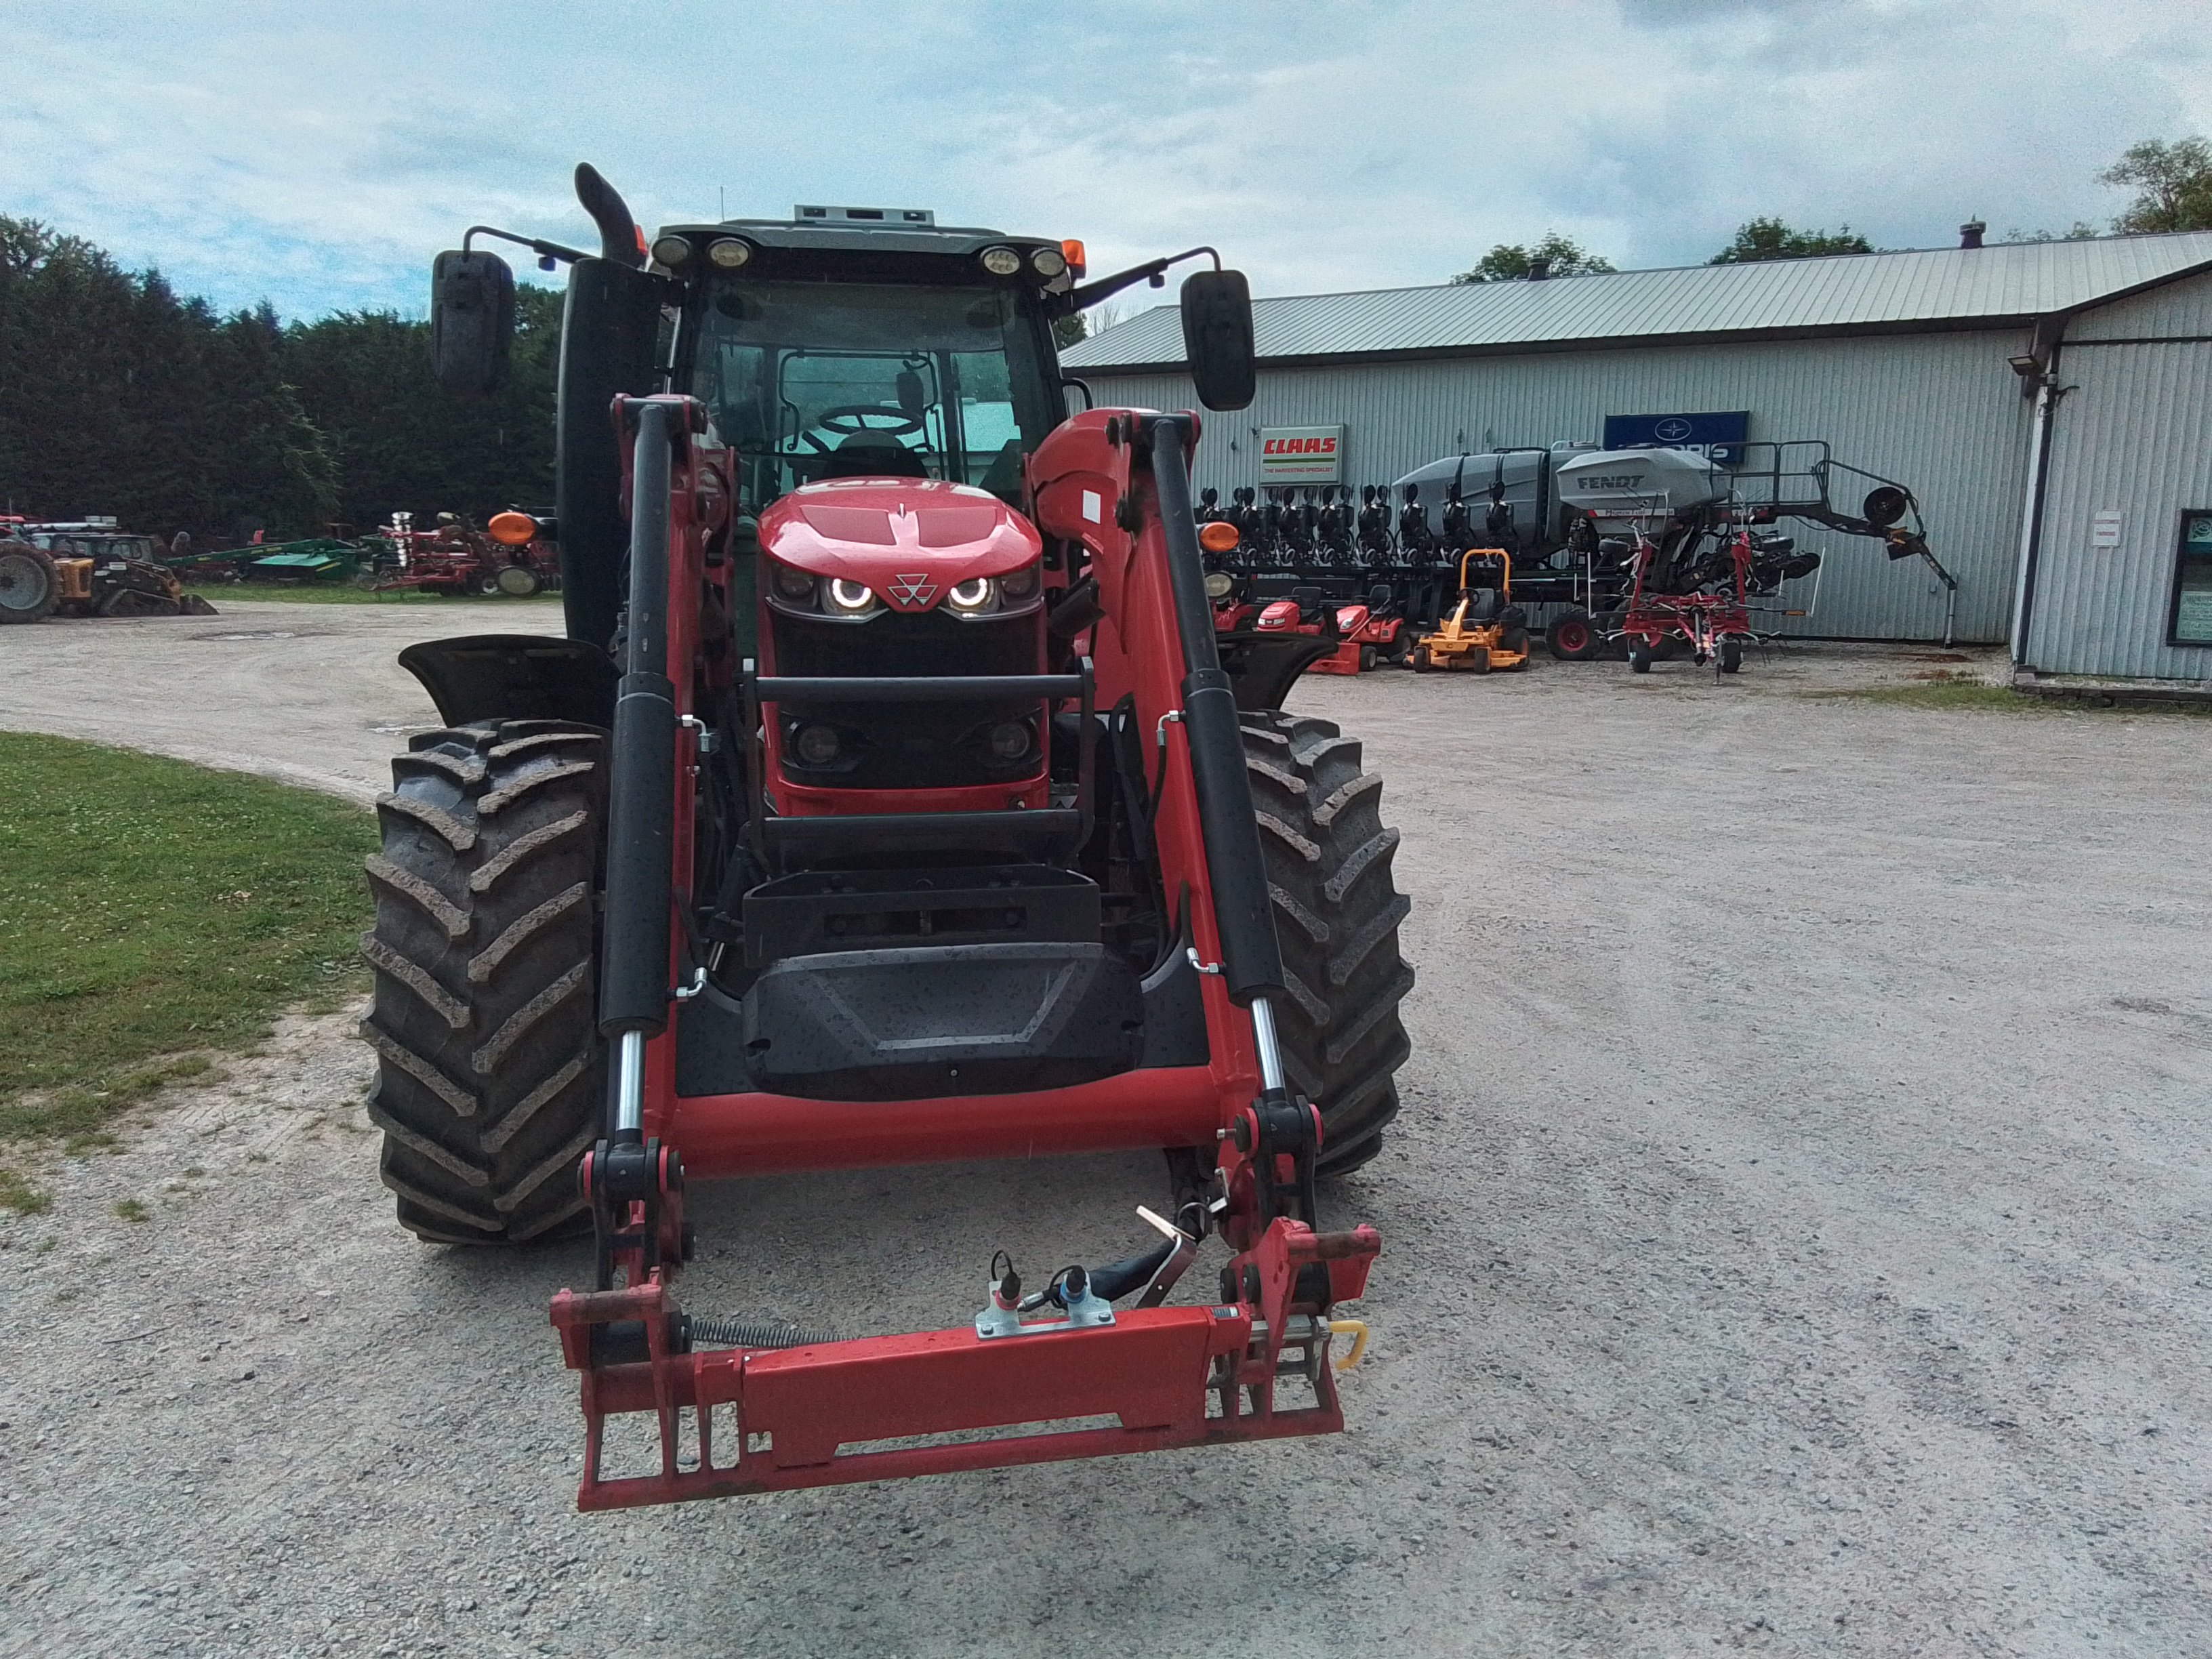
886 803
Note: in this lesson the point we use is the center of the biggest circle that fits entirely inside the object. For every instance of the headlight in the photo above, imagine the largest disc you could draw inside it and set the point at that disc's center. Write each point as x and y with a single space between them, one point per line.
1010 740
973 595
671 251
852 598
794 586
729 252
1018 584
1002 261
1217 586
1048 262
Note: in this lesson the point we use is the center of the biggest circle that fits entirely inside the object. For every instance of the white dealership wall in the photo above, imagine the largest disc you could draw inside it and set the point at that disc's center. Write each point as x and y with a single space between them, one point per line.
1940 413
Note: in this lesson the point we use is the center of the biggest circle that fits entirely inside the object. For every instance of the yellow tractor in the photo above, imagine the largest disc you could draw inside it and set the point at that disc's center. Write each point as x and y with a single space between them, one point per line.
1486 629
87 570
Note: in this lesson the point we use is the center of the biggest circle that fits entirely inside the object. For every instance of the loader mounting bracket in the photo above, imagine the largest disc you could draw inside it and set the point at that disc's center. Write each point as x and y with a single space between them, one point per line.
636 1190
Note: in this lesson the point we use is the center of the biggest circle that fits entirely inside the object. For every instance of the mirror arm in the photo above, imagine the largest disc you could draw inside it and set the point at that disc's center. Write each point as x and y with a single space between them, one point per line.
543 250
1079 299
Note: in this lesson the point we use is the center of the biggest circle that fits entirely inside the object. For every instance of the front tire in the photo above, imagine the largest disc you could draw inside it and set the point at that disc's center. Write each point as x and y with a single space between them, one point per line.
489 1066
1337 912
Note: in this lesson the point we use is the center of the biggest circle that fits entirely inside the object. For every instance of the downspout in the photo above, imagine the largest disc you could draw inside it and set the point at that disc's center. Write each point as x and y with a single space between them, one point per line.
2048 337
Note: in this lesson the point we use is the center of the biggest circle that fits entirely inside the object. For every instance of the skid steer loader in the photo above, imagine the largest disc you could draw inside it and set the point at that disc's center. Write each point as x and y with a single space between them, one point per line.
885 803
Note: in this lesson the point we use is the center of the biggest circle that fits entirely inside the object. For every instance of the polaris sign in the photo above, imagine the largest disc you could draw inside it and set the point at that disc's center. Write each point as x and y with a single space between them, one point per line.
1301 454
1716 437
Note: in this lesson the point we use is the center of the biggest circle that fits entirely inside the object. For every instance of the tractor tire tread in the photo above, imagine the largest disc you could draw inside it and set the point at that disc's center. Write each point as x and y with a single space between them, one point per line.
1328 859
485 928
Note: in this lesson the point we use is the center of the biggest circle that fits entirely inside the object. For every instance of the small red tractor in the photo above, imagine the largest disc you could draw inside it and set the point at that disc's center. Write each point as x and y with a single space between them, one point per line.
886 803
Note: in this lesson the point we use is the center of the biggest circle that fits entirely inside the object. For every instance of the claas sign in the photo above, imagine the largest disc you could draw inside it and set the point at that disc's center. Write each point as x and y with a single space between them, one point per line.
1301 454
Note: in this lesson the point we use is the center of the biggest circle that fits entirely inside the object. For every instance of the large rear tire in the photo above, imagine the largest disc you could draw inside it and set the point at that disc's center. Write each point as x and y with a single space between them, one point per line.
1337 911
30 587
490 1065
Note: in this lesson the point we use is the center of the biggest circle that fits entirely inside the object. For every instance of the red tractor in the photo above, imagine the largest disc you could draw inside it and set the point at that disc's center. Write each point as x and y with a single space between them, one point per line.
886 803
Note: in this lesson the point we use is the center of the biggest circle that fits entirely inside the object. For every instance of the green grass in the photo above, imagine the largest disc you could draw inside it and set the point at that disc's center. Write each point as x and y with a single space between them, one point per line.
219 594
131 1210
20 1197
151 911
1966 694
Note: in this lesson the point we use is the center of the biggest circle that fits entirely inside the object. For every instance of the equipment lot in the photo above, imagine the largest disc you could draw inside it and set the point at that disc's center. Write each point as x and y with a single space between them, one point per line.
1795 1239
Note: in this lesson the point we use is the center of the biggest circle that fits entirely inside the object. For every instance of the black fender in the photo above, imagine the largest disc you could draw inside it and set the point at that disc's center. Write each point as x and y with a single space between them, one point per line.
1263 667
515 677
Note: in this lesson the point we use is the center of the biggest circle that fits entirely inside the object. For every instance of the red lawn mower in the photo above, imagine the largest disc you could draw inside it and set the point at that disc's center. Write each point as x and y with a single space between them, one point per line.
888 801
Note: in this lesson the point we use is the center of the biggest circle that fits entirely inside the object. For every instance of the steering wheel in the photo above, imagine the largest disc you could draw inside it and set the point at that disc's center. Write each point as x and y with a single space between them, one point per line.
849 419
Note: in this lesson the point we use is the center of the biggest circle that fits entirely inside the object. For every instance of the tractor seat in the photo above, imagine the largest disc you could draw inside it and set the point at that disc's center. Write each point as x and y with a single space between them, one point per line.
1481 604
872 455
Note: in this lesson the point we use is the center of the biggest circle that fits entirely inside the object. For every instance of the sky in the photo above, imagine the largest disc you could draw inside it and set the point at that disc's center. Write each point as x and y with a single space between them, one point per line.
318 155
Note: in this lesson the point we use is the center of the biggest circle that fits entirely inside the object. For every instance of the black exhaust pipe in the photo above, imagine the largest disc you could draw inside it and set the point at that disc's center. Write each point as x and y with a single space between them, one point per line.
618 233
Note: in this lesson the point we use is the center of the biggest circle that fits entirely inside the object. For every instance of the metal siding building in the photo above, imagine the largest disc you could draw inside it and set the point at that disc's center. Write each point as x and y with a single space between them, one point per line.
1898 361
2132 433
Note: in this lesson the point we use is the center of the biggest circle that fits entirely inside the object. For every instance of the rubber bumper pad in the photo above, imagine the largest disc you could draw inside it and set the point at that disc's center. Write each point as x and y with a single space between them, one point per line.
924 1021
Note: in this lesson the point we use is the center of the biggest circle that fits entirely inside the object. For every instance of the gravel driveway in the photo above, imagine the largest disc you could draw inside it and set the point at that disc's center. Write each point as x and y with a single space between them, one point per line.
1795 1241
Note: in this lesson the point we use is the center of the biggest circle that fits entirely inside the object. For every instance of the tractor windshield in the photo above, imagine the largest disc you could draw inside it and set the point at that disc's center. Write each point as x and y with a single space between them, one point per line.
827 380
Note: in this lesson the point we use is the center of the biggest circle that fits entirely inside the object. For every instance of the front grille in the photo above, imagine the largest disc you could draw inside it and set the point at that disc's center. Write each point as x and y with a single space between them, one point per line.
908 746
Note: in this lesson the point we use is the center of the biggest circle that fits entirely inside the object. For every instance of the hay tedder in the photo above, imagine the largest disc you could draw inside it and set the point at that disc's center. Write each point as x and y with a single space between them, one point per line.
887 803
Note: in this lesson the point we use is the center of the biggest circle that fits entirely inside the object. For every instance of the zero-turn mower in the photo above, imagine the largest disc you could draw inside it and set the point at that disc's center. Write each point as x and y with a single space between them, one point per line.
1485 631
887 803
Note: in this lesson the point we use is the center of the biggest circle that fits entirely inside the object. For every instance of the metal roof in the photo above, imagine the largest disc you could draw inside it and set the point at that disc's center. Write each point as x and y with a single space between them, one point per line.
1921 291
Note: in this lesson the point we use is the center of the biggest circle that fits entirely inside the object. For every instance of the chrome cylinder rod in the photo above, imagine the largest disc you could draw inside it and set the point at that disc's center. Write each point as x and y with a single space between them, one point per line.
629 1081
1271 1051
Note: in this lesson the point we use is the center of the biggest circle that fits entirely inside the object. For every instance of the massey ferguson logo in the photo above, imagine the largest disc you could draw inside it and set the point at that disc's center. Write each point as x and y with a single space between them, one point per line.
912 593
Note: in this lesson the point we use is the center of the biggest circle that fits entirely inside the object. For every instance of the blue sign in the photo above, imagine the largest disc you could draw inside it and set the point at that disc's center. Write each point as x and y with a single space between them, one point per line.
1719 437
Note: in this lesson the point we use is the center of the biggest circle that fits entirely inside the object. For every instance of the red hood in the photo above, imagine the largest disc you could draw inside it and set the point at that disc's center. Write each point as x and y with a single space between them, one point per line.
901 537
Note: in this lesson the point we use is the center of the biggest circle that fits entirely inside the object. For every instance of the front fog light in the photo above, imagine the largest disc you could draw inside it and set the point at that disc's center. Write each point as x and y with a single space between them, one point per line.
815 745
1010 740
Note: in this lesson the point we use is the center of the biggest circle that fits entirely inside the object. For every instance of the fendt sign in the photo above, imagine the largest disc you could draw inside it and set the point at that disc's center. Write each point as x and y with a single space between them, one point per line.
1301 454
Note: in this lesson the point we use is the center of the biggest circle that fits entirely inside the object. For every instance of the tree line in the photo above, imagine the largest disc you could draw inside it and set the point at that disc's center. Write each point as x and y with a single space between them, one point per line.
119 397
2172 184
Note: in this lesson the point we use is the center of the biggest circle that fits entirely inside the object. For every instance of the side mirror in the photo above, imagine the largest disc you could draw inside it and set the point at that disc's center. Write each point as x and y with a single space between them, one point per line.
471 320
1217 336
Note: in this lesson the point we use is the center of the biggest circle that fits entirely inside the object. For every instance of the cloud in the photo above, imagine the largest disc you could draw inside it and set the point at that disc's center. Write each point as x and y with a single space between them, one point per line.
318 155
